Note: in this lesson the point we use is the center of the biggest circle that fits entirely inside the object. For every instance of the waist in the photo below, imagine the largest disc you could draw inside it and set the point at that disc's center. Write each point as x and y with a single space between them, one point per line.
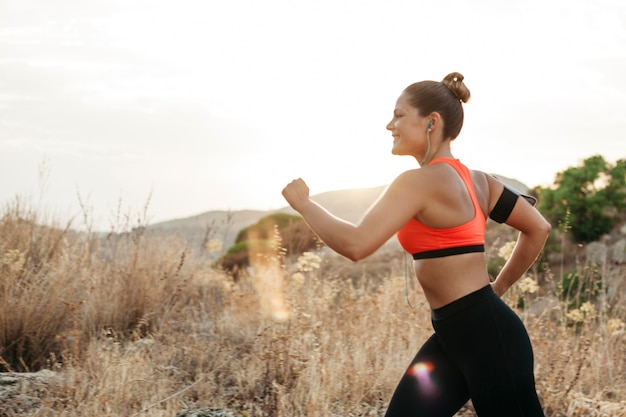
462 303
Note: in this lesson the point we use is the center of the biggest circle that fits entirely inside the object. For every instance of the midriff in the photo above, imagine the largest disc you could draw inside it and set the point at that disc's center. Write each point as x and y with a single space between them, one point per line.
447 279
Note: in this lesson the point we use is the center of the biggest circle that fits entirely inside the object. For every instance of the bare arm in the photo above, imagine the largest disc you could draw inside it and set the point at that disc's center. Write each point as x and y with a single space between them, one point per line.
533 232
388 214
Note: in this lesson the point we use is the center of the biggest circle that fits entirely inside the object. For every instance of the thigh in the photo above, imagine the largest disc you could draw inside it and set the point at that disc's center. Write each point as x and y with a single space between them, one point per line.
507 386
491 347
432 386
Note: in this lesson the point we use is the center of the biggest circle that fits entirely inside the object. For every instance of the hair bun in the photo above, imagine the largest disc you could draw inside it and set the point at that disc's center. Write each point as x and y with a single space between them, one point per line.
454 82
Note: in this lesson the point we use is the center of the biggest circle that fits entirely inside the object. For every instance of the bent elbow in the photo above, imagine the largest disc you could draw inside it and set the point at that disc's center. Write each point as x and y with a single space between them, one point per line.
357 253
542 231
358 246
537 231
353 258
547 228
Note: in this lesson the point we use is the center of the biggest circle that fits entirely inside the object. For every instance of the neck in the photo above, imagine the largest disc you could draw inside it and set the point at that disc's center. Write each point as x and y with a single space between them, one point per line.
441 151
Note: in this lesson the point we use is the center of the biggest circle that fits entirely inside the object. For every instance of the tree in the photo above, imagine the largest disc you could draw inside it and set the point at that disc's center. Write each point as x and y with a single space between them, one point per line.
587 199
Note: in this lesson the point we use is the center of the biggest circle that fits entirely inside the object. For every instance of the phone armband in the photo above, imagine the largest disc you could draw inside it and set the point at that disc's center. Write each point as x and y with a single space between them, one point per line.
504 206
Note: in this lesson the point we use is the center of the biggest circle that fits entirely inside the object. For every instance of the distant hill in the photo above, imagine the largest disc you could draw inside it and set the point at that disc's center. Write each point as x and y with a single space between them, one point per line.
224 225
350 204
219 224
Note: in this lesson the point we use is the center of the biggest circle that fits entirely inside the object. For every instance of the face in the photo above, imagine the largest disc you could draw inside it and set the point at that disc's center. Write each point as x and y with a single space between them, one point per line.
408 129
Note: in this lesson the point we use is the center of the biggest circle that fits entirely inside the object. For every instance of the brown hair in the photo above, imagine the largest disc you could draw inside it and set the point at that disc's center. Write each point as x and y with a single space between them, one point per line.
443 97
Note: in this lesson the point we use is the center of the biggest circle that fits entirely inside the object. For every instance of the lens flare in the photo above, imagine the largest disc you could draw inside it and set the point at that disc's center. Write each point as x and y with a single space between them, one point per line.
422 372
268 276
421 368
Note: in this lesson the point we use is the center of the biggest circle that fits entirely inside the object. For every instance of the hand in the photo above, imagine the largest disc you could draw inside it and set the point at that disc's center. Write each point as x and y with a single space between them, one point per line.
296 193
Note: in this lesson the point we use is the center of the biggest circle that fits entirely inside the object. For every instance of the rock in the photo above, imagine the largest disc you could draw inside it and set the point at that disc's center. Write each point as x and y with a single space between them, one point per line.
618 254
21 392
596 253
547 306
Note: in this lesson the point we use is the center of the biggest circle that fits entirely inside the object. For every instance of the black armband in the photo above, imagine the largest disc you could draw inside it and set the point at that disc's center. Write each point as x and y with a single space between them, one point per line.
503 208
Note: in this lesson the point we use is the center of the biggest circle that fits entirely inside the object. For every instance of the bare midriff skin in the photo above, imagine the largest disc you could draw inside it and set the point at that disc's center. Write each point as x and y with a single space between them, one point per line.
450 278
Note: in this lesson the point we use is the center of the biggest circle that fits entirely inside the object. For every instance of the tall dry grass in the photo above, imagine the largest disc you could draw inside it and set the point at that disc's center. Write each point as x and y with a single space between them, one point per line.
141 326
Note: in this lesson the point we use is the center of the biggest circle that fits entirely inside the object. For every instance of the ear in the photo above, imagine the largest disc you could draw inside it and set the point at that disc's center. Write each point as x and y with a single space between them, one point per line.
436 120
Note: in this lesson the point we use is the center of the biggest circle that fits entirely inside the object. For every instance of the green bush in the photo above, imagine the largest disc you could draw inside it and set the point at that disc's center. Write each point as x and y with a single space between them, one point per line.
288 231
587 199
264 228
245 246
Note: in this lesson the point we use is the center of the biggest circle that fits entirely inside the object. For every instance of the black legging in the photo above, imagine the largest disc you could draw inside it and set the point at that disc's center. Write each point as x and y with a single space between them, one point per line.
480 350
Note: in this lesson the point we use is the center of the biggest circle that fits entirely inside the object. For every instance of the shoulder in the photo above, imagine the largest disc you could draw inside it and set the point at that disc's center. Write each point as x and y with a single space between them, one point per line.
411 189
410 178
488 189
405 184
487 182
428 177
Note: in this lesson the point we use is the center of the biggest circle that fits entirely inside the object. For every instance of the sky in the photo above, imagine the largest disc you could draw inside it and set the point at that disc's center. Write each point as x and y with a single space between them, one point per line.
171 108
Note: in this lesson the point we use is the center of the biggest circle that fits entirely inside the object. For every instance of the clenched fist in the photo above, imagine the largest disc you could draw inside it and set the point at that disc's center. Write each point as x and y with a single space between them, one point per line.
296 193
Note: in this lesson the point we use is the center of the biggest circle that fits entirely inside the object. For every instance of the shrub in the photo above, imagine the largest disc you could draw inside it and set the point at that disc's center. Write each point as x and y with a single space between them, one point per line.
259 240
59 288
591 197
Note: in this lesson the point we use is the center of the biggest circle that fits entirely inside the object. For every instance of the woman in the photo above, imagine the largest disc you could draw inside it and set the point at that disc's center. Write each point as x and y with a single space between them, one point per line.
480 349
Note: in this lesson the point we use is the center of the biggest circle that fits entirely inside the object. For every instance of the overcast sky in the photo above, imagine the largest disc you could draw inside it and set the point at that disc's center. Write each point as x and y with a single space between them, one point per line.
206 105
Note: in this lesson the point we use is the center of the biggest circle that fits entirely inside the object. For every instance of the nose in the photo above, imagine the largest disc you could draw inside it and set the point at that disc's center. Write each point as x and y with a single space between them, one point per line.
390 125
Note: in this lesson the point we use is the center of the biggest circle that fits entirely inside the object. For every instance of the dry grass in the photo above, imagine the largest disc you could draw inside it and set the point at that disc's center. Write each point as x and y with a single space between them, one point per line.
146 327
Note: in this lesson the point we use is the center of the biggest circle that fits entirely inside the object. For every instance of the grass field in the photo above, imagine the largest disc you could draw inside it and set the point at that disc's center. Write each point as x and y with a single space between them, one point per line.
141 326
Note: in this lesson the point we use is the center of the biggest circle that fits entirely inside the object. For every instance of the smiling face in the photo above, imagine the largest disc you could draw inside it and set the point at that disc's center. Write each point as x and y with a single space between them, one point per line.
408 129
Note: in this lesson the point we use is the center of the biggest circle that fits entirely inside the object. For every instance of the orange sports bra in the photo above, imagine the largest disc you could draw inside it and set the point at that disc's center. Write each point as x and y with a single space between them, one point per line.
424 242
